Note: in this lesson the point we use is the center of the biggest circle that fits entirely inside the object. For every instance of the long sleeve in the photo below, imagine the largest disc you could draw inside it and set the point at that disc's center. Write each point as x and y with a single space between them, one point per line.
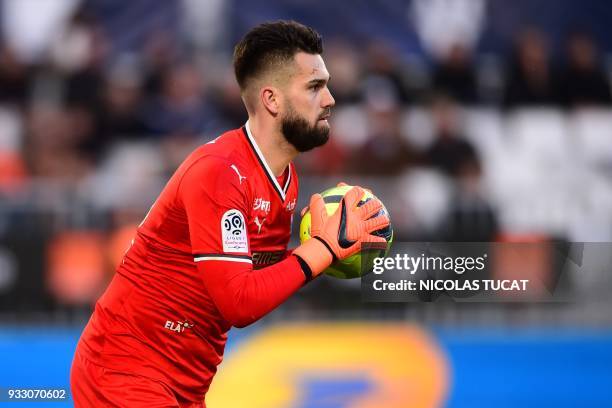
244 295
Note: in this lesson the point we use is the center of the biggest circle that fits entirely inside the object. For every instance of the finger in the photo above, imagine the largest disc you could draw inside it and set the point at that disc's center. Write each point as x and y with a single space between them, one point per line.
316 203
317 211
375 240
376 223
343 184
370 208
304 211
353 196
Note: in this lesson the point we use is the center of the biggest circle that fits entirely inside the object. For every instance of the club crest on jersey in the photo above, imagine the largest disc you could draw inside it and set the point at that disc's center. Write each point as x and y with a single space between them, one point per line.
233 232
261 204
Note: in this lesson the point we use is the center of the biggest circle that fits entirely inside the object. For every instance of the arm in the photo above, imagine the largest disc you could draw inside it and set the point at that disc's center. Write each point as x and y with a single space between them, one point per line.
213 199
244 295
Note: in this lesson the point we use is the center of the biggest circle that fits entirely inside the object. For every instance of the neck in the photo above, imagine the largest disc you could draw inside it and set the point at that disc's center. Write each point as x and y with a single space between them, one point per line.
275 149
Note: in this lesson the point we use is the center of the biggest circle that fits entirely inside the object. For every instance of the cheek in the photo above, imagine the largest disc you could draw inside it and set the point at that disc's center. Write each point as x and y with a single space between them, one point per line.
304 99
315 102
308 102
308 106
317 99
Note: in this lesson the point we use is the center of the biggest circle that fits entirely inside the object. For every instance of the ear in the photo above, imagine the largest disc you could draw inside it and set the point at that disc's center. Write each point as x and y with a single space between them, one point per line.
270 98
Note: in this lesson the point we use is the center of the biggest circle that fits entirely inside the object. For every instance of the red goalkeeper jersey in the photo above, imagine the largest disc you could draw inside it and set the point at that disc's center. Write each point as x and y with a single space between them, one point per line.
211 254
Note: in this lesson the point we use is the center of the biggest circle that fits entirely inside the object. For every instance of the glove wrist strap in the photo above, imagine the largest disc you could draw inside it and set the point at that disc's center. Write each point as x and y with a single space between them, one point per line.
334 257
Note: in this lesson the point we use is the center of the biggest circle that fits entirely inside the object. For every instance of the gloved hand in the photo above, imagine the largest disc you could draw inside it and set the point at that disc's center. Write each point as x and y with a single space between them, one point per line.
340 184
341 234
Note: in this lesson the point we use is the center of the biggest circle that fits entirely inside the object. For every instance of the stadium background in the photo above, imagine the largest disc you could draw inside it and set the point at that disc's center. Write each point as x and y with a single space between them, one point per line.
473 120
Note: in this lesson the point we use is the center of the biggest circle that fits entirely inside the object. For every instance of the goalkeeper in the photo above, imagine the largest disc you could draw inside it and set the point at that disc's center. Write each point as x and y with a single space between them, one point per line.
212 251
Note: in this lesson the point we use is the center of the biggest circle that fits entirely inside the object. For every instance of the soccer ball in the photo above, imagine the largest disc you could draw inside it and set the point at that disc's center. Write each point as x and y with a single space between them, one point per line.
355 265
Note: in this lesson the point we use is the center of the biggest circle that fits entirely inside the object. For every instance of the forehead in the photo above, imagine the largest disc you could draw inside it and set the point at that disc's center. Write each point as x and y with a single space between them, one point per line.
309 67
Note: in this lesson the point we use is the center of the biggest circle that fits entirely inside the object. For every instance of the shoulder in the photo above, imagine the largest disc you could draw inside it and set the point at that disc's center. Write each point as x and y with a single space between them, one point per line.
214 172
215 178
224 156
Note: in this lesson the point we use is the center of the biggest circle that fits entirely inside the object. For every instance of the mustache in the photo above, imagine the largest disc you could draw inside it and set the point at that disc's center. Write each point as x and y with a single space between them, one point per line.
326 113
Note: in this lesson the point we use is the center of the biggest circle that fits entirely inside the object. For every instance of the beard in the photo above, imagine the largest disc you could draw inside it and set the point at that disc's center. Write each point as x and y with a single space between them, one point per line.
301 134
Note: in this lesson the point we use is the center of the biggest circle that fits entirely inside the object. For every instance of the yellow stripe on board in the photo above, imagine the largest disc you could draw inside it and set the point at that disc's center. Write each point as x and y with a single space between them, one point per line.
401 365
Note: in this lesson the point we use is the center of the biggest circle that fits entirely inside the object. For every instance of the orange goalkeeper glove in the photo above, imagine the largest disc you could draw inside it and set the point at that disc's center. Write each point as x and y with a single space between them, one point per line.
341 234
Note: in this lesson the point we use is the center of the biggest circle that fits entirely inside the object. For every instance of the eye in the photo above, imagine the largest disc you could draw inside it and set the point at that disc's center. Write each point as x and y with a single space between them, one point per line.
316 86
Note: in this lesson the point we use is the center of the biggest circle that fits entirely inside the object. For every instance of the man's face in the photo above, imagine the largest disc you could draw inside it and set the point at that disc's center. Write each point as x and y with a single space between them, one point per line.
304 120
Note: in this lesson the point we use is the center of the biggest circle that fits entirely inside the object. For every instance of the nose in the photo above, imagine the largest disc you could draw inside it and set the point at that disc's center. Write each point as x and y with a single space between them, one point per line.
328 100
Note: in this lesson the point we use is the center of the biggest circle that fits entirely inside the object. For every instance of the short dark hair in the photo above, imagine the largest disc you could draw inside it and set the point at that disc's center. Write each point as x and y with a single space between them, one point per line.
270 44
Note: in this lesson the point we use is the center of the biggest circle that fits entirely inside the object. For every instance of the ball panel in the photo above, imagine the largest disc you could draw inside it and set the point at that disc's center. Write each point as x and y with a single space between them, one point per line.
305 227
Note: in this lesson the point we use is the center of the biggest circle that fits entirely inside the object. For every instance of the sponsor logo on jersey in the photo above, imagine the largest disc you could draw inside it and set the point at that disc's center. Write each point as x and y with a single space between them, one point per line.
261 204
267 258
233 232
177 326
290 205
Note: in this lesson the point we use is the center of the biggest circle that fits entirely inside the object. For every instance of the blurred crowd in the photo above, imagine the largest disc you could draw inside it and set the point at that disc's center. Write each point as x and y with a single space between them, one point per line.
106 129
69 109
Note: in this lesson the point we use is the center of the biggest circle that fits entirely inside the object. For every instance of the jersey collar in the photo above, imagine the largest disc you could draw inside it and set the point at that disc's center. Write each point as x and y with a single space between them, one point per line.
282 192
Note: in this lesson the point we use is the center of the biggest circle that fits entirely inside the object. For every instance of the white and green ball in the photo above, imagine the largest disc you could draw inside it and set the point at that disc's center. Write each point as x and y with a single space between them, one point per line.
350 267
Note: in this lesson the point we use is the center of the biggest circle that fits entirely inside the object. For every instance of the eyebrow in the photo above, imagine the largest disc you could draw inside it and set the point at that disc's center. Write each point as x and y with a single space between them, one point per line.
319 81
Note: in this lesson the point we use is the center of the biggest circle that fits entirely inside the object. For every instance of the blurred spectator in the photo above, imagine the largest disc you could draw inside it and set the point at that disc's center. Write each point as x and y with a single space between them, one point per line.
182 108
386 152
470 217
53 137
78 53
455 75
531 79
450 153
83 140
12 172
343 63
584 82
385 81
121 115
12 167
228 101
15 77
159 54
